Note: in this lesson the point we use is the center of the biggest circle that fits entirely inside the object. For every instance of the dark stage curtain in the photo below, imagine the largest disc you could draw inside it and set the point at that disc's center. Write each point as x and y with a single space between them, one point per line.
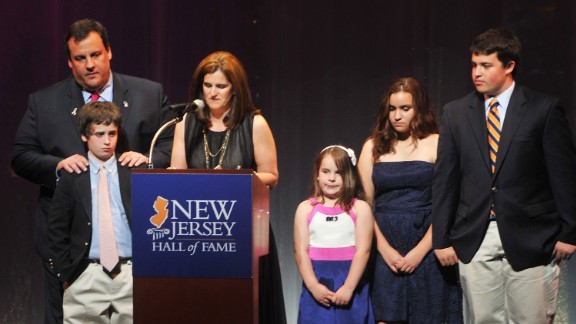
317 71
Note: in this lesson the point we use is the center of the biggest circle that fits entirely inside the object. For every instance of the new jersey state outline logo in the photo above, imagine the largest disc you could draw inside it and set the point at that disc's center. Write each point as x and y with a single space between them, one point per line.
158 219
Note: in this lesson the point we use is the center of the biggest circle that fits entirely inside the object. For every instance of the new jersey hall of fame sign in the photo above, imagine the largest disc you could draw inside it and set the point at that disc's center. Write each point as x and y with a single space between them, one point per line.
192 225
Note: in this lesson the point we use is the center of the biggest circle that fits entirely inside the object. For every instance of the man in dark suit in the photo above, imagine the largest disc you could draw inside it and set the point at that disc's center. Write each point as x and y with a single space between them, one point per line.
91 216
504 204
48 141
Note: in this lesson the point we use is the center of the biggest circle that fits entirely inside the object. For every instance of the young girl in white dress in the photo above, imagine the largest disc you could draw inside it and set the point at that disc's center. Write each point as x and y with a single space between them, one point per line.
332 240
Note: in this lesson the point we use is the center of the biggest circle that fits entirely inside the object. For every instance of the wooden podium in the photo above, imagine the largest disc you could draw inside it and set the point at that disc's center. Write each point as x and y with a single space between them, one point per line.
197 236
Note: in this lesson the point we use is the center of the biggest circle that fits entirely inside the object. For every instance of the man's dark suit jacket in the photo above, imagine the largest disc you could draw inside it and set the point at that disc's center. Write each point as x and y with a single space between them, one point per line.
70 221
533 188
49 133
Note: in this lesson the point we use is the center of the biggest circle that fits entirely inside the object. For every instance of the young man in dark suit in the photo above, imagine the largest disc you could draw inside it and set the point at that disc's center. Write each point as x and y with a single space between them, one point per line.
48 142
504 188
89 226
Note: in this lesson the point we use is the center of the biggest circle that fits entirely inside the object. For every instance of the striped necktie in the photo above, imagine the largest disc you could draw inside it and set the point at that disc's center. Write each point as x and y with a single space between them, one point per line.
494 129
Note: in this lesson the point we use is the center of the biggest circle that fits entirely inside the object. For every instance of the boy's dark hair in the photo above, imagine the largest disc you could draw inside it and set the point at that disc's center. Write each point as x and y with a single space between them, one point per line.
500 41
80 29
98 113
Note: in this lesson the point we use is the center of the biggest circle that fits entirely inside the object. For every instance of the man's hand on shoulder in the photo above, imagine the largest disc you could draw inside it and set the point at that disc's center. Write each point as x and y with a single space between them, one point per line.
446 256
132 159
563 251
75 163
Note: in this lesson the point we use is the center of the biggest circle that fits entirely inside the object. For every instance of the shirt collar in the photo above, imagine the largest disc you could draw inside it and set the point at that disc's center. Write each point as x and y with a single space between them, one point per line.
105 92
109 165
503 98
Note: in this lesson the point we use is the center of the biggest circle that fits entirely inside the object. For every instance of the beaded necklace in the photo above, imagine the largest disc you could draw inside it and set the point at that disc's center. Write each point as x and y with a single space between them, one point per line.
221 151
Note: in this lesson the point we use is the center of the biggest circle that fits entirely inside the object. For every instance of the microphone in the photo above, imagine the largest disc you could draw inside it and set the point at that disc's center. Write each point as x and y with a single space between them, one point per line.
182 108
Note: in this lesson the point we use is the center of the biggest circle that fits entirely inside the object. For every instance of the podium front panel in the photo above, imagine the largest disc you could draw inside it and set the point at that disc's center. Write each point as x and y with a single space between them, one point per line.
188 225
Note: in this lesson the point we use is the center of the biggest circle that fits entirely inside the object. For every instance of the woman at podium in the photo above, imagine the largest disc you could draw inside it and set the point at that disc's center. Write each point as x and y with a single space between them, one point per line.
230 133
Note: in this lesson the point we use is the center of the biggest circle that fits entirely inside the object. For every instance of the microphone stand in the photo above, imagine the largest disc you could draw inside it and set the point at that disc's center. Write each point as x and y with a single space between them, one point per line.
171 122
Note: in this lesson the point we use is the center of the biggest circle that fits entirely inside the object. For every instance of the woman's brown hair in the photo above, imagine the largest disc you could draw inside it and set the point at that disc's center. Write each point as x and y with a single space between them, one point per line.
241 101
422 125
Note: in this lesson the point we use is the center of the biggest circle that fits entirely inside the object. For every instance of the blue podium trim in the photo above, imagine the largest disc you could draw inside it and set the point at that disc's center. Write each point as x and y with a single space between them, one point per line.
192 225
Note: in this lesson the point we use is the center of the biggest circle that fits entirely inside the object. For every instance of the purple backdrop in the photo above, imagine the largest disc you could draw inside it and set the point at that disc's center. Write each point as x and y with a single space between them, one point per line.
317 70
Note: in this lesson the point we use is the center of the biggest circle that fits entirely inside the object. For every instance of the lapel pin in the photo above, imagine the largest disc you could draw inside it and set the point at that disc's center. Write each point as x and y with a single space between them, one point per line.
125 103
74 112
